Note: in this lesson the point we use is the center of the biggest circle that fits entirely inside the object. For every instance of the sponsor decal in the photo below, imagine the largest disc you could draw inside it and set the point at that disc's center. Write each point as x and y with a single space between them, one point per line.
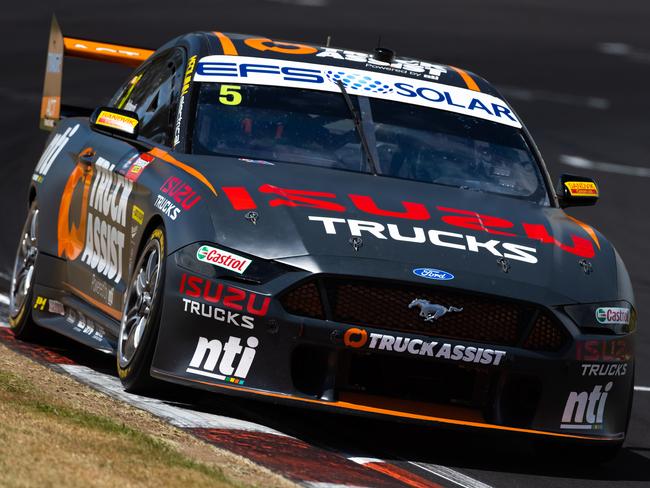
96 226
137 214
355 337
110 49
117 121
402 66
106 224
585 410
613 315
82 324
135 170
603 350
50 106
102 290
604 369
228 361
167 207
221 302
581 188
294 74
433 274
40 303
223 259
219 314
358 338
180 196
432 311
56 307
52 151
53 306
187 81
420 235
242 200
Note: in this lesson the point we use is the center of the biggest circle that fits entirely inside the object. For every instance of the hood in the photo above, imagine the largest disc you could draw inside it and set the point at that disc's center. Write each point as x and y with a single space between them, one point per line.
314 217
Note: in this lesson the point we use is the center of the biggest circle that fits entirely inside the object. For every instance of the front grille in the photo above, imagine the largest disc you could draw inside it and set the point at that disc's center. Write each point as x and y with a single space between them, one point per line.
304 301
546 335
386 305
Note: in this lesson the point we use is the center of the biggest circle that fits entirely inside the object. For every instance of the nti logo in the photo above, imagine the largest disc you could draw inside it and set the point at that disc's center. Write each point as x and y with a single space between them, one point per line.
232 360
585 410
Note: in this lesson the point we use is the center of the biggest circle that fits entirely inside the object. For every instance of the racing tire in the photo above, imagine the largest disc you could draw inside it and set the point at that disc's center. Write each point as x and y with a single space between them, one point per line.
21 293
141 317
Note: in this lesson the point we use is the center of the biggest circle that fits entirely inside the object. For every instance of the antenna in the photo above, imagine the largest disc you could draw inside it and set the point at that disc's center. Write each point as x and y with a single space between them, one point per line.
329 40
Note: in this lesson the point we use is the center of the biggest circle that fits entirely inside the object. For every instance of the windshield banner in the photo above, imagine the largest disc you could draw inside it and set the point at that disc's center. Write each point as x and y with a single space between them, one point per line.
291 74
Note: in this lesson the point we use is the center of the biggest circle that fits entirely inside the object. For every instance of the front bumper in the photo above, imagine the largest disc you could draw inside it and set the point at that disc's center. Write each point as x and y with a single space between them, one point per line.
235 338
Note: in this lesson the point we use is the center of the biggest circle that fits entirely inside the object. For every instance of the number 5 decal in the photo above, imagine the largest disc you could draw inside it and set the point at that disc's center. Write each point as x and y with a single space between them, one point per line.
229 94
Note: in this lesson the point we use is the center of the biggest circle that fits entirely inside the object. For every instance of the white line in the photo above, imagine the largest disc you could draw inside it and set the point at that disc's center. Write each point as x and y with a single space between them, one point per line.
576 426
177 416
527 95
205 373
450 475
4 299
578 162
365 460
642 388
624 50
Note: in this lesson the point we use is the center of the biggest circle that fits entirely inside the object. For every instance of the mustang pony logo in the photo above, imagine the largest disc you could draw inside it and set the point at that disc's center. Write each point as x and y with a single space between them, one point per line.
432 311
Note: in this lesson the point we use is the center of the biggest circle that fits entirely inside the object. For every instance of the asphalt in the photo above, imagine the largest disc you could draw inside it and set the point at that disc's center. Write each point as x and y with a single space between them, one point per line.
576 72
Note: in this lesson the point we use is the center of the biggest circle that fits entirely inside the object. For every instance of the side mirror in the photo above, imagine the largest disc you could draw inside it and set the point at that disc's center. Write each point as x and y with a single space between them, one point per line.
575 191
115 121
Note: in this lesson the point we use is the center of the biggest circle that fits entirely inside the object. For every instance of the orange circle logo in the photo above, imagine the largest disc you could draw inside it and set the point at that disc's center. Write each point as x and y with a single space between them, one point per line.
70 236
263 44
355 337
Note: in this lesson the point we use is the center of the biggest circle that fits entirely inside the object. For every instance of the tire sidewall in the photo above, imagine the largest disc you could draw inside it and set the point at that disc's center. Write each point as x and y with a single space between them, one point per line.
136 374
22 324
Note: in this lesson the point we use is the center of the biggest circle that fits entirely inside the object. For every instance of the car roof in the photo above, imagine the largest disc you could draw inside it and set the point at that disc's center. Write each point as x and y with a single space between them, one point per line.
219 43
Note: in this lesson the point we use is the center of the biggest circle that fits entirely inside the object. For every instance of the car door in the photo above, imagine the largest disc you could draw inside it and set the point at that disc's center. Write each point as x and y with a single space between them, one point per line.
100 274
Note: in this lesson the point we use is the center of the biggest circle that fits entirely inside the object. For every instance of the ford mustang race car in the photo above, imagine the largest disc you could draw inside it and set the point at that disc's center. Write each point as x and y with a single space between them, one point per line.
327 228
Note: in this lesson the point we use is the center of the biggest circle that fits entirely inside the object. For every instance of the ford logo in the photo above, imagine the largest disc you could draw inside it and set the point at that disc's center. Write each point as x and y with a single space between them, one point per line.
433 274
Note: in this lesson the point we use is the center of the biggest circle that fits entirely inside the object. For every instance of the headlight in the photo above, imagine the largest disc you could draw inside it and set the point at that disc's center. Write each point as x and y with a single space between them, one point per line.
228 263
609 318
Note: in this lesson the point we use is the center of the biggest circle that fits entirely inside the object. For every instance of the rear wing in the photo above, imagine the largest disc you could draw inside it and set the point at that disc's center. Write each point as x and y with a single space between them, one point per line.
58 48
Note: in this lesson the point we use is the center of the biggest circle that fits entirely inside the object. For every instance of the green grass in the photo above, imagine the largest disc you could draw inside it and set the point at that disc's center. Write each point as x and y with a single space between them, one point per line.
22 394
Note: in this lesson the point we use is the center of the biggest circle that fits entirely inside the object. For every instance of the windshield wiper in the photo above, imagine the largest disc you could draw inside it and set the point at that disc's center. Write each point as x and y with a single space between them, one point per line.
359 126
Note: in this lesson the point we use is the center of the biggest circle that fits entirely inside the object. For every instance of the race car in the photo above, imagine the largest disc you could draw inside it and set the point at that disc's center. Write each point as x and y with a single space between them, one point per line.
351 231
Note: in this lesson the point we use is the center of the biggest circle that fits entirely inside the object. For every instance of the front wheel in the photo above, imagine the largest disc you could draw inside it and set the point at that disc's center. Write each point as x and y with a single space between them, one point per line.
141 316
22 280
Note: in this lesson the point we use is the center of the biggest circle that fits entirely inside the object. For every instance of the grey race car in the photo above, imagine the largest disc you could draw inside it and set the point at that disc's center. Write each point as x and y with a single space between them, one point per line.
334 229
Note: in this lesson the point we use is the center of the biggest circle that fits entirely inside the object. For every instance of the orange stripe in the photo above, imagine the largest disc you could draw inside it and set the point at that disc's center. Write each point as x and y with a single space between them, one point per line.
226 44
165 156
395 413
588 229
116 314
402 475
469 81
103 51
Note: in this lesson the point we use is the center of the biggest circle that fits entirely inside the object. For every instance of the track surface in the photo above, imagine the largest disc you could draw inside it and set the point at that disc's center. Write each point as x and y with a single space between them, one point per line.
576 72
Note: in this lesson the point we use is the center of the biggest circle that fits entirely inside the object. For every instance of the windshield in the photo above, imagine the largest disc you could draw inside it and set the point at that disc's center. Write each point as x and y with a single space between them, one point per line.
317 128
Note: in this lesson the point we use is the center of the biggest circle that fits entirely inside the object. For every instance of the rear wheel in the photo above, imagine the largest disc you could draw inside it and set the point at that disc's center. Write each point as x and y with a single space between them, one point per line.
22 280
141 316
